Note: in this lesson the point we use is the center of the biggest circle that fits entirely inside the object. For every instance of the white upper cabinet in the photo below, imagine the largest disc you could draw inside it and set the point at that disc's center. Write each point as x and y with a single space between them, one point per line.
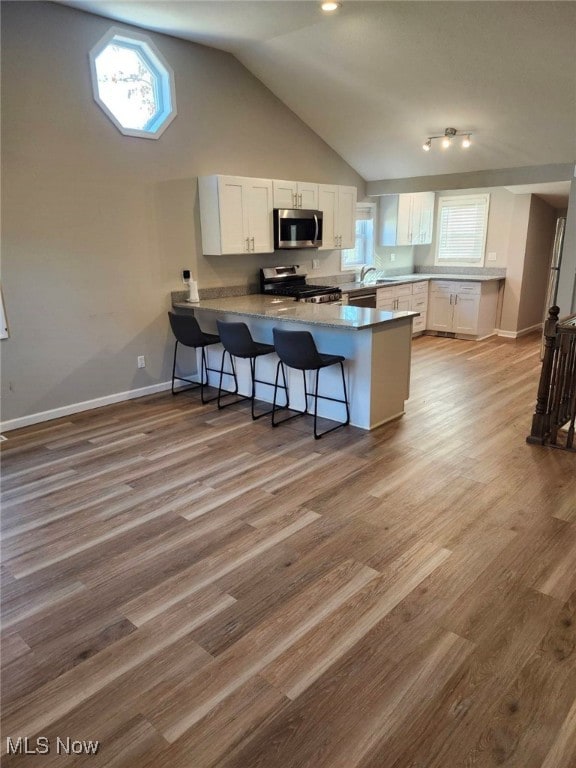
236 212
422 217
406 219
295 194
338 206
236 215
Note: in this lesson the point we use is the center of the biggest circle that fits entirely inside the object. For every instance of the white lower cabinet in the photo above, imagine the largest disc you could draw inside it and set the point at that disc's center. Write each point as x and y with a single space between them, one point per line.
408 296
463 308
419 304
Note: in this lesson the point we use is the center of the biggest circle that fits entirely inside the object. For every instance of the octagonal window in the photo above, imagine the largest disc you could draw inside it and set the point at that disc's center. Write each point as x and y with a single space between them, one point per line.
133 84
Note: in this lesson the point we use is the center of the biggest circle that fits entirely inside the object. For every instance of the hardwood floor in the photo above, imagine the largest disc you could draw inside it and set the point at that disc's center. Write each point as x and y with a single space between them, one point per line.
194 589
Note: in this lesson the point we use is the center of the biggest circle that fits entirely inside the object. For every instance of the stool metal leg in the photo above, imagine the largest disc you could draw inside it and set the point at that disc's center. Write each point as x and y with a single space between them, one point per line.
204 368
228 373
174 366
277 386
254 381
315 395
193 384
318 435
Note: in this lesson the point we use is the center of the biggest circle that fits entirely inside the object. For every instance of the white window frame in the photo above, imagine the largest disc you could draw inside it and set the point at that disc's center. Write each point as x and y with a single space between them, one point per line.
364 211
163 73
451 250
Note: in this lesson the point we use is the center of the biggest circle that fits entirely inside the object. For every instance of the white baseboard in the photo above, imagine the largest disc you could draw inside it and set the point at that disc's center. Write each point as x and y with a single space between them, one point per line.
517 334
86 405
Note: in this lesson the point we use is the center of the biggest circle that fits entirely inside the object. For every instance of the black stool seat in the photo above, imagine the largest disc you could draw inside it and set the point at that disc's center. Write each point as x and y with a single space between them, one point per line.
297 349
238 342
188 333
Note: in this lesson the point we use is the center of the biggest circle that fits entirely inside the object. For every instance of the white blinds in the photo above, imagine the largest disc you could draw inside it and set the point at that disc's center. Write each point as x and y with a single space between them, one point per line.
462 227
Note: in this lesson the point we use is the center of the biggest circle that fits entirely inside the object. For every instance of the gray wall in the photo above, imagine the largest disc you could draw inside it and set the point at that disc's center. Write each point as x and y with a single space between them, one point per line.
498 231
97 226
537 259
567 279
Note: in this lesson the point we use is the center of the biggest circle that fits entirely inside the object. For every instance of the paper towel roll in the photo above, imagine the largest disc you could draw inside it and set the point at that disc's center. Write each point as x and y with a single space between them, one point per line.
193 296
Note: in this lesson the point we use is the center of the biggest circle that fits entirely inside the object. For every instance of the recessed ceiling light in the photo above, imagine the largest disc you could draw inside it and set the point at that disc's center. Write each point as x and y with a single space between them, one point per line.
329 7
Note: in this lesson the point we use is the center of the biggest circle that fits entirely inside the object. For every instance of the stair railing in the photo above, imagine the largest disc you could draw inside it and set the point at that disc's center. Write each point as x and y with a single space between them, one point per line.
555 413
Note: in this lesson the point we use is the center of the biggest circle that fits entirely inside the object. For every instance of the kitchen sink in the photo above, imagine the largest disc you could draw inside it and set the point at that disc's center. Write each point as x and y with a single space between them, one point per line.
388 279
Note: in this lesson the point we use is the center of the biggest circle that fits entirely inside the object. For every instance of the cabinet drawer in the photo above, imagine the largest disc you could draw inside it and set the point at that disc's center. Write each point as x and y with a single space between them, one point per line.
419 323
443 286
468 288
385 293
420 302
420 287
454 286
393 291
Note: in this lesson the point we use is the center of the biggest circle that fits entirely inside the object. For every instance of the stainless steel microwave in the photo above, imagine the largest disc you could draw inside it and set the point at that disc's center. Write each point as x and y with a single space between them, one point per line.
297 228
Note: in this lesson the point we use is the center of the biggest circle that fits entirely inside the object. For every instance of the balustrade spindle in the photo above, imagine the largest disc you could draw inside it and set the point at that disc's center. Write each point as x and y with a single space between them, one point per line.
556 399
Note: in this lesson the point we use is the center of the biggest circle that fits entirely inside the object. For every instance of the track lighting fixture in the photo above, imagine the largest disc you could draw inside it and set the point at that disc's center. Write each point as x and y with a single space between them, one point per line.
447 139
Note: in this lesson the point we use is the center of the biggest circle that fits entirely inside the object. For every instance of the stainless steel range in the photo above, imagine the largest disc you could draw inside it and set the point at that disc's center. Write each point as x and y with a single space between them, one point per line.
289 281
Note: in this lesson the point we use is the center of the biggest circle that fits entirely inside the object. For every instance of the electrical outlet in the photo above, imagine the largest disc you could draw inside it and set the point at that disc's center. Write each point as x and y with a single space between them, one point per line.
492 256
141 361
392 257
315 263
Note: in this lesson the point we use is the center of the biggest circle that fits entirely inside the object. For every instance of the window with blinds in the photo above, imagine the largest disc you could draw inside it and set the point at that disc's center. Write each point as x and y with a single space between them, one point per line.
462 225
363 252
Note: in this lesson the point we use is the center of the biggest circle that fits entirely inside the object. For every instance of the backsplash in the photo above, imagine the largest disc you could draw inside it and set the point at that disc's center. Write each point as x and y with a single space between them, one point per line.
218 293
433 270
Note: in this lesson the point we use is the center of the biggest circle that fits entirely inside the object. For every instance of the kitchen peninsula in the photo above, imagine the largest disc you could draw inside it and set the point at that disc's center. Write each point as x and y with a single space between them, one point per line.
376 344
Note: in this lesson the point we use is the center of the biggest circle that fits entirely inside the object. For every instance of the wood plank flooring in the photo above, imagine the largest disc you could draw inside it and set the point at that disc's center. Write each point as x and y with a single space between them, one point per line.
196 590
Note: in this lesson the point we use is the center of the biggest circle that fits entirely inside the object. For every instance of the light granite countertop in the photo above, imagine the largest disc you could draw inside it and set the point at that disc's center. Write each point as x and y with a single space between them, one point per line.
276 308
416 277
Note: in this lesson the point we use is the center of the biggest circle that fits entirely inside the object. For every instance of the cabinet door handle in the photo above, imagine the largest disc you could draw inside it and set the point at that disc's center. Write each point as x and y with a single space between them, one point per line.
450 299
300 200
456 299
253 246
247 244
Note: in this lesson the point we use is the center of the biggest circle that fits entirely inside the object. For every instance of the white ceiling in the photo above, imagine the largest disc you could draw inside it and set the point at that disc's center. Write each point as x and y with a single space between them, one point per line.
375 79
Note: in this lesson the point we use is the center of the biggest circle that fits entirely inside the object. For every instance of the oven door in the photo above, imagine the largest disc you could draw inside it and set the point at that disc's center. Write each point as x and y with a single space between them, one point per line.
297 228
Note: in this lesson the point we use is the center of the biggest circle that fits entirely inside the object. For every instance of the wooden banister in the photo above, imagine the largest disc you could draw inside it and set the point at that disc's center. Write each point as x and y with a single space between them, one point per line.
555 412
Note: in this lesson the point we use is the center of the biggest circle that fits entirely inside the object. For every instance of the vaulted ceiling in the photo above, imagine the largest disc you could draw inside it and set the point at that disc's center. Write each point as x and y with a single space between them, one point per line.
376 79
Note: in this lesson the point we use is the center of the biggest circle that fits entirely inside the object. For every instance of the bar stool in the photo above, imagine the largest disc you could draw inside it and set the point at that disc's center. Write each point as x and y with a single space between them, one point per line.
297 349
238 342
188 333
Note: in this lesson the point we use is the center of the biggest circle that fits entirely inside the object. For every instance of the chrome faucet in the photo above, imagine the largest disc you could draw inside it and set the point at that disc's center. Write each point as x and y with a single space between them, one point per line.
364 271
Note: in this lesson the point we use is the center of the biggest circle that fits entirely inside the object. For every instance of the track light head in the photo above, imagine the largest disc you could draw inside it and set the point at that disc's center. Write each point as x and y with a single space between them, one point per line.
447 139
330 7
